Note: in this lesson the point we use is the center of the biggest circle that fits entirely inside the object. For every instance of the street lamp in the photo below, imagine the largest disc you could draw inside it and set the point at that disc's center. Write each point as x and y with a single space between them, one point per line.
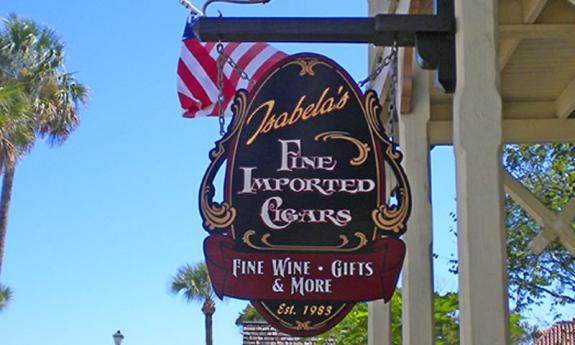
118 337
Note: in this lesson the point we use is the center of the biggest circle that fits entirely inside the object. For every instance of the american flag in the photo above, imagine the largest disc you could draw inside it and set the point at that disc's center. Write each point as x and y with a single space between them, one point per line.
198 71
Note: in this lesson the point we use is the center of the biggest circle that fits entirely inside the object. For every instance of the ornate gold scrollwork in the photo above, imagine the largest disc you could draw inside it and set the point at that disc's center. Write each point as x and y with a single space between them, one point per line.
219 216
247 239
389 218
362 147
307 65
303 326
216 216
392 218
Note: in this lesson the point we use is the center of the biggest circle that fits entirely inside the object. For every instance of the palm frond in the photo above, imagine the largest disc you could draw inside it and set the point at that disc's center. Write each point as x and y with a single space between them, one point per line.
193 282
32 55
5 296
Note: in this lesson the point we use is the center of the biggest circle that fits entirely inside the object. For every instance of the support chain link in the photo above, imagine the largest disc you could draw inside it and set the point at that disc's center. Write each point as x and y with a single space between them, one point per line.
390 59
228 59
384 63
392 95
222 60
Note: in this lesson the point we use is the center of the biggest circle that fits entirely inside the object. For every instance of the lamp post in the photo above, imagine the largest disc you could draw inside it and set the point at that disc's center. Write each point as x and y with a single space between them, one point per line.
118 337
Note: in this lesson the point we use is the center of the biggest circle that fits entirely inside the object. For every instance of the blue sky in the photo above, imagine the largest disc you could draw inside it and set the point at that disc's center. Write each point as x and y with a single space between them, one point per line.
99 225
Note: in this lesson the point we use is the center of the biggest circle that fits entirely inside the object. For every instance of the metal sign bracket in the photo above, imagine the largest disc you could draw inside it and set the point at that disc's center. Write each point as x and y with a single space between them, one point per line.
433 36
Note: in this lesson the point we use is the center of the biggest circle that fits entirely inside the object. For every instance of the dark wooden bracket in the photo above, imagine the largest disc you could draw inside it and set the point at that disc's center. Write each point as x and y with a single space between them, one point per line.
433 36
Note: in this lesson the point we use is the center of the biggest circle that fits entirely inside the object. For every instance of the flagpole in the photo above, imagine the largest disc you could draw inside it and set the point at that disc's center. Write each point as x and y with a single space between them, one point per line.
191 7
240 2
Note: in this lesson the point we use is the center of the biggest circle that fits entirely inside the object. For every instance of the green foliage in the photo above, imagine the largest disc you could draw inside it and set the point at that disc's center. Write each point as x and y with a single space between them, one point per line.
38 99
5 296
353 328
16 121
193 281
32 60
548 171
248 314
446 318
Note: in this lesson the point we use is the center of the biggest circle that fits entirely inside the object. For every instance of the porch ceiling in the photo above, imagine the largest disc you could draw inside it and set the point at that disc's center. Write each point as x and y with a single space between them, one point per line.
537 74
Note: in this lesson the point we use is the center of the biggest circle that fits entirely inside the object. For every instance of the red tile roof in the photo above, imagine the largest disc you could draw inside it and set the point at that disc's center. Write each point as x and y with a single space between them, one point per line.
261 333
561 333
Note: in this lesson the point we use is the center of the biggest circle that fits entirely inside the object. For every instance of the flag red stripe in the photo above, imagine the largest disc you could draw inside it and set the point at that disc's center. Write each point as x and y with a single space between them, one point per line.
228 90
187 102
198 70
209 45
204 59
244 61
193 85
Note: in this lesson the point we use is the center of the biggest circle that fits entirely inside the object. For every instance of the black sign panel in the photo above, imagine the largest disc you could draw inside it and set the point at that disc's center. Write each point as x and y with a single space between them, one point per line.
307 227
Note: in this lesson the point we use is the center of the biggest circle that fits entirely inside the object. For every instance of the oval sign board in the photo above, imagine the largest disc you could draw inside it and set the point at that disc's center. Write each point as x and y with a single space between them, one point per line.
307 227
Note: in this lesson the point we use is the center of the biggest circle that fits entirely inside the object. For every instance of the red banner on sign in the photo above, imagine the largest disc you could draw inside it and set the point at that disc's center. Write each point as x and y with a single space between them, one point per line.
304 276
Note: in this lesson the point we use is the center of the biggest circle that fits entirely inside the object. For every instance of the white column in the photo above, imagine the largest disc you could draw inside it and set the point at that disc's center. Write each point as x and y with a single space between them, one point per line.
379 323
379 314
477 137
417 274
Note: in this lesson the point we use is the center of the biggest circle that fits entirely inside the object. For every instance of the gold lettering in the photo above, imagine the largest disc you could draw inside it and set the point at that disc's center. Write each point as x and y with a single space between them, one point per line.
317 105
282 120
327 107
322 106
262 127
343 101
307 112
297 112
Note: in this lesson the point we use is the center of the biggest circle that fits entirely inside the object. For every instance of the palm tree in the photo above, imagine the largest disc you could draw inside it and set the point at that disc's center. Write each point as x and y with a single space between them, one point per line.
5 295
16 132
194 284
45 104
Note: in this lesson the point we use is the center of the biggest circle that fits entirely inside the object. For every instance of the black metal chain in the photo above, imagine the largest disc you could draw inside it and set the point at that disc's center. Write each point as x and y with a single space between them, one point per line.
392 95
220 104
390 59
384 63
222 60
228 59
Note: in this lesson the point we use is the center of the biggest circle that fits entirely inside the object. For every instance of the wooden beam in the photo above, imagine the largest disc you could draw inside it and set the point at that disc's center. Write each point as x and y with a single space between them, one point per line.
507 48
526 200
563 223
537 31
407 70
556 225
512 110
532 9
541 241
514 131
406 92
565 103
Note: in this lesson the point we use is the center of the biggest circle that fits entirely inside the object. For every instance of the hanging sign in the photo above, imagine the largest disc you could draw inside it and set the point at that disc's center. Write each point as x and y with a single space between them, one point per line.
306 228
